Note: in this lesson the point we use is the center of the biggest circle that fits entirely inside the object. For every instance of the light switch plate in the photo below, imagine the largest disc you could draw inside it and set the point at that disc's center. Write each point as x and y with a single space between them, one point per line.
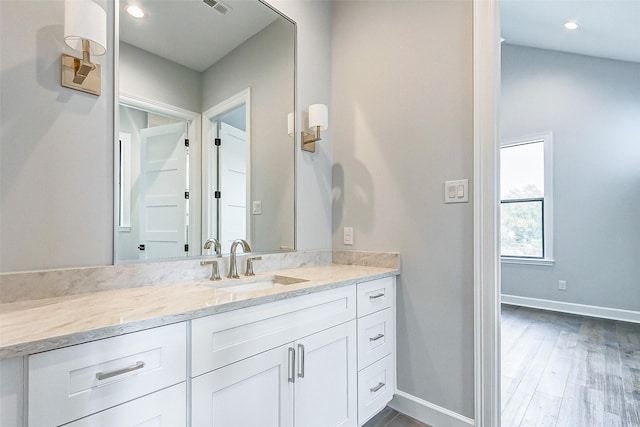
456 191
347 236
256 208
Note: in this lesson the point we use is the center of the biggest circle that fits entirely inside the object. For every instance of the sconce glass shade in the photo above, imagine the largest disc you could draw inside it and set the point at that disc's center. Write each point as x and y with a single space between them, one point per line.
291 123
85 19
318 116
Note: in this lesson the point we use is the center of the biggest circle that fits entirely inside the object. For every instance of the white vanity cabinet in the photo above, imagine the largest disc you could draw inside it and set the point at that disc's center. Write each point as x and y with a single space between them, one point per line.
70 383
376 346
302 370
324 359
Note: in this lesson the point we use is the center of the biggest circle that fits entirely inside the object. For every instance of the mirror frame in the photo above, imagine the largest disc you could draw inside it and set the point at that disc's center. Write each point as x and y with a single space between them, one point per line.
115 151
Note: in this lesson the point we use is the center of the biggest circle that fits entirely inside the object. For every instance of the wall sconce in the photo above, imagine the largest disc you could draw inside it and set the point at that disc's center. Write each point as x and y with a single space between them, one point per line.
318 121
85 30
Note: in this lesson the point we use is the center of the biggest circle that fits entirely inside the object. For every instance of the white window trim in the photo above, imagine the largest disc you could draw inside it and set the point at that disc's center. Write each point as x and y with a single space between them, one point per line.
547 139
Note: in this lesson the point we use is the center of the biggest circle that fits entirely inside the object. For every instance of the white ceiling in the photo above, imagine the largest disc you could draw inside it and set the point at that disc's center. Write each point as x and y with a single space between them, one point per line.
190 32
608 28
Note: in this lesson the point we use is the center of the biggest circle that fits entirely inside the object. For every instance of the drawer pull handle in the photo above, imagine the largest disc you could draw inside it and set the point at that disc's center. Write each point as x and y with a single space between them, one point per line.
103 376
377 337
376 388
301 361
292 365
376 296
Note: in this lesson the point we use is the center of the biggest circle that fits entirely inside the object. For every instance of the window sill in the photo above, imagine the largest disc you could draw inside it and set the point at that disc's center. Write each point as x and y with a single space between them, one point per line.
527 261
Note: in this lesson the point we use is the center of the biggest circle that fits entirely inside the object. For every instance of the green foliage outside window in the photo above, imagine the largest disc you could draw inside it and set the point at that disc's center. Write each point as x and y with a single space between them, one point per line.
522 224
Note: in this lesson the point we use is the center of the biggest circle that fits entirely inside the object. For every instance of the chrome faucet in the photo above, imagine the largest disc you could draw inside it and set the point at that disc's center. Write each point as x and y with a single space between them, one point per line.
216 245
215 274
233 267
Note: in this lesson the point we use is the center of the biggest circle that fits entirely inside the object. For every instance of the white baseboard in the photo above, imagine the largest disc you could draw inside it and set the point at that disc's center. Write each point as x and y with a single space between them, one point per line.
427 412
568 307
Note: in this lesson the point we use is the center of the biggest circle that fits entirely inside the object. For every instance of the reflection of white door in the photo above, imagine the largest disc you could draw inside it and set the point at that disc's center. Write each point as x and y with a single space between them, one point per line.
233 184
163 177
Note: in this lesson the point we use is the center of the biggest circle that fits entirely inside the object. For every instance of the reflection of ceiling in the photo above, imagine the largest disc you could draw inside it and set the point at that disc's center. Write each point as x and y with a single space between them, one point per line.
190 32
608 28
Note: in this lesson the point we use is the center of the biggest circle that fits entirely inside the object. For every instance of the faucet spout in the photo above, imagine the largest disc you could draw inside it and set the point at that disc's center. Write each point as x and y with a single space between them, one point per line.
233 266
216 244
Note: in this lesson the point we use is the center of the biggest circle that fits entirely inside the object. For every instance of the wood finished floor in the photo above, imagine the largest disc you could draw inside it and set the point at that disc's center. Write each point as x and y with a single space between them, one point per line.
392 418
567 370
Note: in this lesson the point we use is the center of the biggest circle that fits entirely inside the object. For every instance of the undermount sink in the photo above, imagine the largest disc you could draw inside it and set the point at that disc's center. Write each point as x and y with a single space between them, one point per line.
257 283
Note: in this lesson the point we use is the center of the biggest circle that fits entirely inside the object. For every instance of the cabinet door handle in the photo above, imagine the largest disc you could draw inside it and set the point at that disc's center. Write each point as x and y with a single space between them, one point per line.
301 355
103 376
377 337
376 388
292 365
376 296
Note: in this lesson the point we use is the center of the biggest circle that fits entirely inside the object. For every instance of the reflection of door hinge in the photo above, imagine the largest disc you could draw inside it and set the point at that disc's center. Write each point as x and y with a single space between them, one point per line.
218 141
141 247
186 247
186 142
186 194
217 194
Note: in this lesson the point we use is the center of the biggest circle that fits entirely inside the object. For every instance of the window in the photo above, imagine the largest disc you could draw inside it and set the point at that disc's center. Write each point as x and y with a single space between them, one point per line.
526 200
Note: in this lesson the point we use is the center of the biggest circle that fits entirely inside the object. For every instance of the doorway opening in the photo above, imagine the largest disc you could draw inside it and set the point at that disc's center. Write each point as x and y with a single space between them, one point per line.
227 170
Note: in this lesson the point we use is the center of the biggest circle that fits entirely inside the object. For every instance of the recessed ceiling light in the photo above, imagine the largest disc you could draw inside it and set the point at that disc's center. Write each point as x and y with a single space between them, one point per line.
571 25
135 11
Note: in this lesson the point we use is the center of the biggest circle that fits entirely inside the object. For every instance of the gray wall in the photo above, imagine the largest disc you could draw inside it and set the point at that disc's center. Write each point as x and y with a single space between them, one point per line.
592 106
56 173
263 63
402 108
56 155
313 76
151 77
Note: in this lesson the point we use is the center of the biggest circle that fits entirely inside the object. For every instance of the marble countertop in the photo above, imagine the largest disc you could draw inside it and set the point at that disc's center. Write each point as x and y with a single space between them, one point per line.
28 327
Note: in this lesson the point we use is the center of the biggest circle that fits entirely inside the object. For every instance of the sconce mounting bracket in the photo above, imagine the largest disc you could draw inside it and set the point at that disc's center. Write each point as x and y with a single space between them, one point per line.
91 83
308 142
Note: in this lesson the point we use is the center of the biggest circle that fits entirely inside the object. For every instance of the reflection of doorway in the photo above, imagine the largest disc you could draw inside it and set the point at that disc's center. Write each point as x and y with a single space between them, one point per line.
156 184
232 176
163 183
226 170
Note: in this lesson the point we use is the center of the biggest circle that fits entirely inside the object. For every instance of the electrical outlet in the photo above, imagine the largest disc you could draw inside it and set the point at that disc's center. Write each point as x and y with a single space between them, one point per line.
562 285
256 207
347 236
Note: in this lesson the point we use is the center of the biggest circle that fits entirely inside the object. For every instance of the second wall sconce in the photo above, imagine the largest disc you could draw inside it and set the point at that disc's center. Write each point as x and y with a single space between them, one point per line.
318 121
85 30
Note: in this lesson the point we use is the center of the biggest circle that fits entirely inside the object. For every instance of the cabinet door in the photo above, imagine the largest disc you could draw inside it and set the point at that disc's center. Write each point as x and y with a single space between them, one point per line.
252 392
326 378
165 408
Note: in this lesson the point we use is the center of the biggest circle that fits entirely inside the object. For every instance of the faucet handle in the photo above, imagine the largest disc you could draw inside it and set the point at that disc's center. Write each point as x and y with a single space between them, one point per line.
215 272
249 271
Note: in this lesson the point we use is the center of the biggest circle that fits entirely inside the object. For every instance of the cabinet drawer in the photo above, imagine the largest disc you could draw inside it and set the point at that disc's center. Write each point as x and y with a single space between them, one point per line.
375 295
77 381
375 337
228 337
165 408
376 386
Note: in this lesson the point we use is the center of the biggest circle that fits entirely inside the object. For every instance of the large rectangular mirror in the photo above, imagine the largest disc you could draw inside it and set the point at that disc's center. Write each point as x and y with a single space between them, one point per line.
202 144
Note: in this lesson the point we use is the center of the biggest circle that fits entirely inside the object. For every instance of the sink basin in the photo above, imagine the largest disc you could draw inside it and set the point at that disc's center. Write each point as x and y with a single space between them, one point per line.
257 283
